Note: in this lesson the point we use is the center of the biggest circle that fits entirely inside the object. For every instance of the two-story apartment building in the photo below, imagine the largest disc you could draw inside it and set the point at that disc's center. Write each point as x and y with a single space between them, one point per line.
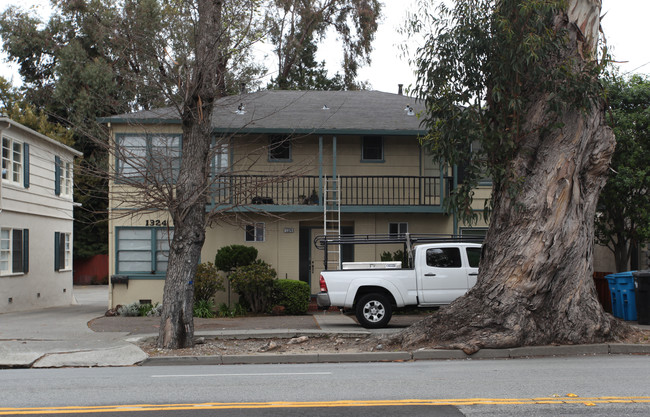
36 218
278 157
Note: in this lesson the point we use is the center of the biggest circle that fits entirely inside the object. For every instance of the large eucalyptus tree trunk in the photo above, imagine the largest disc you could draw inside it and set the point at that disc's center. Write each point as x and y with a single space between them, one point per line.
536 284
188 211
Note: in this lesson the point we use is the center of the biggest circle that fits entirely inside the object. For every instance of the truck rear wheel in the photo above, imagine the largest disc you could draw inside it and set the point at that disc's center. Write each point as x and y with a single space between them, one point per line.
374 311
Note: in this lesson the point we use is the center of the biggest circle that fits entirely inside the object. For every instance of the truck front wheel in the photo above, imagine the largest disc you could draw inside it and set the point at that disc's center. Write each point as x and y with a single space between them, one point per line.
374 311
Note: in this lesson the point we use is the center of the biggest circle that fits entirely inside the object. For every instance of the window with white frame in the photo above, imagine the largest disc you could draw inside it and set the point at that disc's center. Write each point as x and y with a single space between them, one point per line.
63 186
396 229
14 251
12 160
62 251
255 232
143 250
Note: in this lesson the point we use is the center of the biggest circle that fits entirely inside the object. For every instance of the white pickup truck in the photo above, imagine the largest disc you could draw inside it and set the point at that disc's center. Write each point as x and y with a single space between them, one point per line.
442 272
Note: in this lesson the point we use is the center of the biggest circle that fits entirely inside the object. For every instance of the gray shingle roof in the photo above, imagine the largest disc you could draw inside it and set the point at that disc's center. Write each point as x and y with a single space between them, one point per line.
323 112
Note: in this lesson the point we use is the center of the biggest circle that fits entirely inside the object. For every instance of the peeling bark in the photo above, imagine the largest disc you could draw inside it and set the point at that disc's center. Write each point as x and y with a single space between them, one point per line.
535 285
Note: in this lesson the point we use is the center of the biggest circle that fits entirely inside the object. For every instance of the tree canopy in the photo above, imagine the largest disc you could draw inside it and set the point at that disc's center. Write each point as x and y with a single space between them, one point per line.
623 219
481 69
295 26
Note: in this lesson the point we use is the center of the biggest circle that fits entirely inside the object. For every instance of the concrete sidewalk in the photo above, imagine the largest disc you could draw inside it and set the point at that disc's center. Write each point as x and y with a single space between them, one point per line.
61 337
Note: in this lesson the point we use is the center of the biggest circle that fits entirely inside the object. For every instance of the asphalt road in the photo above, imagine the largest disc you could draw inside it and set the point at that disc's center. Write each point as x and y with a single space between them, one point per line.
598 385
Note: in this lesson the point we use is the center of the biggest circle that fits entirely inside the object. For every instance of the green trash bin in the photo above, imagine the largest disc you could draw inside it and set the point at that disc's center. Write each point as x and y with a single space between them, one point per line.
642 288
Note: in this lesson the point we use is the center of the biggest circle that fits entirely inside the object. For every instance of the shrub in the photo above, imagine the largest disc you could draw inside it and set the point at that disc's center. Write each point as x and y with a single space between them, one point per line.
254 283
156 311
206 282
398 255
237 310
137 310
231 257
129 310
293 295
203 309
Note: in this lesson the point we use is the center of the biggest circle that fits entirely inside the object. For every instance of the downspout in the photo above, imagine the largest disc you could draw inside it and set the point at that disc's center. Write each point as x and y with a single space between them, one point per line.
320 169
455 181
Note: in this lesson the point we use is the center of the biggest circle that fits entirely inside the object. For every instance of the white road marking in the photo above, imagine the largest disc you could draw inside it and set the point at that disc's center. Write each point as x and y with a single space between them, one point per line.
260 374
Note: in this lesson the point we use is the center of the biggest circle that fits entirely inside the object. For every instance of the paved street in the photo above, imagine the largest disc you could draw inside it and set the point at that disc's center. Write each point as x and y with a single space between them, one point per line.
598 385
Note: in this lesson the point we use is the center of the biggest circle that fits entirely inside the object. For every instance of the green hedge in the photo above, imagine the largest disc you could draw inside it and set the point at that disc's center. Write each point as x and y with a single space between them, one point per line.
293 295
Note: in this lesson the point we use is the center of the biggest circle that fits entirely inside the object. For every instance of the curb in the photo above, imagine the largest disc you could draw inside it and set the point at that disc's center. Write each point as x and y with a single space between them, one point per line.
425 354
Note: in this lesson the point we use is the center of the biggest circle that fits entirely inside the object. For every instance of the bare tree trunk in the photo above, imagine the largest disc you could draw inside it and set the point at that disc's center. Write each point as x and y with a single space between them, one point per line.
188 213
536 279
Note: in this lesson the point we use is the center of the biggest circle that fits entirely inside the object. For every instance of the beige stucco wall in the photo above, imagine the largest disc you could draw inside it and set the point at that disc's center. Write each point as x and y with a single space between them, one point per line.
281 245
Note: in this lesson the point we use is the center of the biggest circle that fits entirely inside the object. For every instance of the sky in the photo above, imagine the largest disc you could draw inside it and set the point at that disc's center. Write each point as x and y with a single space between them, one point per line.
624 23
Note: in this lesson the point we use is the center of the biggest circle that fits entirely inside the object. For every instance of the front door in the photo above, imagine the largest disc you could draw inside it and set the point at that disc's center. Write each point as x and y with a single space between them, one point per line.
443 277
312 260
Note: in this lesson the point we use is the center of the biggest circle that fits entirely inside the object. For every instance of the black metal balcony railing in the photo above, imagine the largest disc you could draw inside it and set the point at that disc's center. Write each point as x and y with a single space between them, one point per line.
362 190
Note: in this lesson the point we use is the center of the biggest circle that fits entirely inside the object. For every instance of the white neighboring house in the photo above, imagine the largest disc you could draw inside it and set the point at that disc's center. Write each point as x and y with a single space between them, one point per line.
36 219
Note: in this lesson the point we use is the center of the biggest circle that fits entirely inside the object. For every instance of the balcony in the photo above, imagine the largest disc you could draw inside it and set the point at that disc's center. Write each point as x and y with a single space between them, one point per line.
305 192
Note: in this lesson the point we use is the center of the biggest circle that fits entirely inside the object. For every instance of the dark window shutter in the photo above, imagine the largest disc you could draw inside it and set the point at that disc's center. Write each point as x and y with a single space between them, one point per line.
57 249
26 250
17 251
61 250
26 165
57 175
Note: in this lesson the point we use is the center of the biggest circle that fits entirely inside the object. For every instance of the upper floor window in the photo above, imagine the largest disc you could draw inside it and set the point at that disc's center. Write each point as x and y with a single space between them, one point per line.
14 251
280 148
372 149
143 250
15 161
157 156
63 177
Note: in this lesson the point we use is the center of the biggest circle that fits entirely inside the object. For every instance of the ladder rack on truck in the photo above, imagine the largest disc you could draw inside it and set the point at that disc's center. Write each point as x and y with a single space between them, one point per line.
407 239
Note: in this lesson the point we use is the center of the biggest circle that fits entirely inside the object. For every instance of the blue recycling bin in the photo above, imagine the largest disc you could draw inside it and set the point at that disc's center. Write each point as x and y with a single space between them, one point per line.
621 286
613 290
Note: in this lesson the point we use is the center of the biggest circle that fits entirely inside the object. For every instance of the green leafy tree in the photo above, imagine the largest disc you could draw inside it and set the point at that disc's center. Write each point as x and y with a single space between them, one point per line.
14 106
294 26
307 74
511 89
623 218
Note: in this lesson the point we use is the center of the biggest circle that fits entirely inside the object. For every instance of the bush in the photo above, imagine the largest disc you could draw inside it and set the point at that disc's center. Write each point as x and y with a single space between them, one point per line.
156 311
138 310
398 255
293 295
206 282
231 257
254 283
203 309
225 311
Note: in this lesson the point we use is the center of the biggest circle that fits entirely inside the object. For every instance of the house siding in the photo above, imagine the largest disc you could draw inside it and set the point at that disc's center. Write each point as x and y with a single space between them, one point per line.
43 213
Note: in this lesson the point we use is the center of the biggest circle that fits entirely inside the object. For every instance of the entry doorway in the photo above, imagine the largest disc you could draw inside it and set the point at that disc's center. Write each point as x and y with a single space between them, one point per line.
311 259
